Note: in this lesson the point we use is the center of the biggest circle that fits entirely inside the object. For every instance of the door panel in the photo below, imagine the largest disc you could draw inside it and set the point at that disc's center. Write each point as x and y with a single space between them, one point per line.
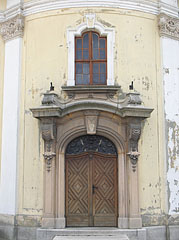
105 192
77 182
91 190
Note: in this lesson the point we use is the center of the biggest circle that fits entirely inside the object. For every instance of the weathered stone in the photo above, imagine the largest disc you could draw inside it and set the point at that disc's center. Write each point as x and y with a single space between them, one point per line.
158 233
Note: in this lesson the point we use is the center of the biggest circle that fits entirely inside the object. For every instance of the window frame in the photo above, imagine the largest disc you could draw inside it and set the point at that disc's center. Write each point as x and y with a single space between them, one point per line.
90 59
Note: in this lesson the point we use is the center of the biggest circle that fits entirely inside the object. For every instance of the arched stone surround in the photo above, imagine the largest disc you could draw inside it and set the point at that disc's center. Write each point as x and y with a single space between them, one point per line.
91 111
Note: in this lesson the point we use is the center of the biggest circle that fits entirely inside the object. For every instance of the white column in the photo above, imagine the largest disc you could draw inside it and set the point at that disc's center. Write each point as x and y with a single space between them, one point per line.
9 155
12 32
170 52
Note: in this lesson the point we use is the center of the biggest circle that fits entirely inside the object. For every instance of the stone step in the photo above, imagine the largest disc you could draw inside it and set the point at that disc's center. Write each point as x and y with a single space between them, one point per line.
89 233
119 237
104 231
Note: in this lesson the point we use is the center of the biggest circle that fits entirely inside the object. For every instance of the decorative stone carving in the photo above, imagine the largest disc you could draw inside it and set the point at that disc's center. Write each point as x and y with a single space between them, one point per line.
134 135
48 156
48 134
90 18
134 98
169 26
49 98
47 131
91 119
12 28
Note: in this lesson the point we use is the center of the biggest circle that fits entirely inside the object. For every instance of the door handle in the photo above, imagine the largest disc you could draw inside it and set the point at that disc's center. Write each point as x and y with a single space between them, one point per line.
93 188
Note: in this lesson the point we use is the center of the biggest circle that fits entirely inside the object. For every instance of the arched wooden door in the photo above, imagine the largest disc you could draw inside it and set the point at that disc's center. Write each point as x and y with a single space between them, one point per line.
91 182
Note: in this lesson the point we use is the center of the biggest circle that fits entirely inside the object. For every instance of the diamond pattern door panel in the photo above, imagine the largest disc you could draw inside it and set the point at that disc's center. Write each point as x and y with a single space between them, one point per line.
77 182
105 191
91 183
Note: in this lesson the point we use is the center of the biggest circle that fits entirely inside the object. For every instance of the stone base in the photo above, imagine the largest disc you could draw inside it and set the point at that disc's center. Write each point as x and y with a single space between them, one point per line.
173 232
135 223
122 237
123 222
60 222
10 232
48 222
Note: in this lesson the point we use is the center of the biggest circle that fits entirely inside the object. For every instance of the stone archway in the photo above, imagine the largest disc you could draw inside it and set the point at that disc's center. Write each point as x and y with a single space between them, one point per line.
118 121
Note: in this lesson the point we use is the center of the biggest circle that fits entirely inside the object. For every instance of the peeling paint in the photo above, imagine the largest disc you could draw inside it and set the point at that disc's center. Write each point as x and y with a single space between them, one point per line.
171 98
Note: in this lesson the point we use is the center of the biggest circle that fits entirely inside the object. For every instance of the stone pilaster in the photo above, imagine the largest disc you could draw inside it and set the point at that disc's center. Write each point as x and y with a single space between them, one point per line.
48 129
134 132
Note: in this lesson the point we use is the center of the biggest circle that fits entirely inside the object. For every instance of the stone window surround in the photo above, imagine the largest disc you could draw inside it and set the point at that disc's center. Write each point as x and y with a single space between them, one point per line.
90 24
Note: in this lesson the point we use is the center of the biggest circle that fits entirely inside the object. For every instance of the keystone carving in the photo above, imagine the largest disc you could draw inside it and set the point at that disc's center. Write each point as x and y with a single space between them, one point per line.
48 134
134 135
91 119
12 28
169 26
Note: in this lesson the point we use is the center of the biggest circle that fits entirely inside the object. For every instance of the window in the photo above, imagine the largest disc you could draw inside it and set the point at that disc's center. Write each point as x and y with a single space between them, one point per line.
91 59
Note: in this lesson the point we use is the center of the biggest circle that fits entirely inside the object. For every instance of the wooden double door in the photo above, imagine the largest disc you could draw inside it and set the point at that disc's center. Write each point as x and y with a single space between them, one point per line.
91 189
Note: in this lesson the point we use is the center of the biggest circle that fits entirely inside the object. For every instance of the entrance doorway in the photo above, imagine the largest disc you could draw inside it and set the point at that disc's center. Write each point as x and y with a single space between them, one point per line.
91 182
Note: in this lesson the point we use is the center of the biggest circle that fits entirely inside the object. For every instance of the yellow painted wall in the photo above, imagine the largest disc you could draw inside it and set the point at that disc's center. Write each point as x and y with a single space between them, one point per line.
3 4
137 59
1 88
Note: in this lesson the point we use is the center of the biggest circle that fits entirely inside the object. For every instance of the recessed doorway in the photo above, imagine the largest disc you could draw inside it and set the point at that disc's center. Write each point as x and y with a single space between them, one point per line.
91 182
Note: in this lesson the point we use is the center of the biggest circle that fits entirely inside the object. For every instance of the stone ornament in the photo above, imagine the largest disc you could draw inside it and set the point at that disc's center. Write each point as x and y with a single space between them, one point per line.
169 26
12 28
134 159
91 122
134 98
91 119
134 135
48 156
48 134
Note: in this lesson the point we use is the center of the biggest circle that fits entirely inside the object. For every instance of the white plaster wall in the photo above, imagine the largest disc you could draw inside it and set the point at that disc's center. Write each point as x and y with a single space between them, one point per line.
10 127
171 2
10 3
171 94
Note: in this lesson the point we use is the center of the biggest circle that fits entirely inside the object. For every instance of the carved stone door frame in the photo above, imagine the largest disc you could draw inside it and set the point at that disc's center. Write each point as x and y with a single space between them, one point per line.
101 114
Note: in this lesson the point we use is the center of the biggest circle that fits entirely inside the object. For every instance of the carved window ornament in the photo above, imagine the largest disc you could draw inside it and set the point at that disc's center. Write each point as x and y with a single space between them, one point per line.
90 25
91 143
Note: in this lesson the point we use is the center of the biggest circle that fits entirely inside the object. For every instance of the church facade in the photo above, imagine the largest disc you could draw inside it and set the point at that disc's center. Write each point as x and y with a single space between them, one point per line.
89 117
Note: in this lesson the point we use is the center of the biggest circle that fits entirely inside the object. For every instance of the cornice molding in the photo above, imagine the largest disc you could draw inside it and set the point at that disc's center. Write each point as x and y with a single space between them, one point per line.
37 6
169 27
12 28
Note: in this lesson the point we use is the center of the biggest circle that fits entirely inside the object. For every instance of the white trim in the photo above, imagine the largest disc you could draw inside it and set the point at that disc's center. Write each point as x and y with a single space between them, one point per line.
90 24
10 127
139 5
37 6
